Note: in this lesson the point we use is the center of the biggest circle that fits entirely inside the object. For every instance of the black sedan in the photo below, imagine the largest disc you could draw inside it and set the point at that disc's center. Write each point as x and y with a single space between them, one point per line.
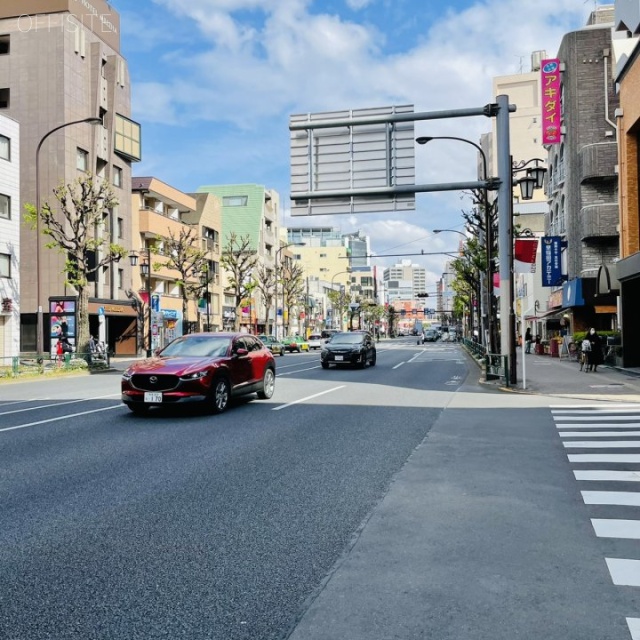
349 347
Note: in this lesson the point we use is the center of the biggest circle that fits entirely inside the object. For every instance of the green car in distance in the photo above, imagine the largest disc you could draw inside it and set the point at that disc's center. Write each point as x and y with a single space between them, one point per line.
274 345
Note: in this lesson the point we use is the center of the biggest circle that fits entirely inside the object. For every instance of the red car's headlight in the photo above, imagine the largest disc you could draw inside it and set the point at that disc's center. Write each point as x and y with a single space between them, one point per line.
198 375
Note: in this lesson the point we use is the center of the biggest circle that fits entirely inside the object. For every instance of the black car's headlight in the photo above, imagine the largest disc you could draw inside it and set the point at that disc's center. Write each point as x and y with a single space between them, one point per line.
198 375
126 376
324 352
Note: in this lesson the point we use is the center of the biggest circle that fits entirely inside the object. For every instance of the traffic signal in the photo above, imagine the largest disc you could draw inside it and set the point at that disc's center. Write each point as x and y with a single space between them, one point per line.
422 295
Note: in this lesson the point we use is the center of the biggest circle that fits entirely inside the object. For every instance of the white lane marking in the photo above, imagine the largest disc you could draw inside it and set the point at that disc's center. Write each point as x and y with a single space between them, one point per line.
59 404
72 415
288 373
618 498
417 355
608 475
594 418
624 572
602 444
598 412
315 395
634 628
398 365
604 457
604 425
598 434
8 404
627 529
613 405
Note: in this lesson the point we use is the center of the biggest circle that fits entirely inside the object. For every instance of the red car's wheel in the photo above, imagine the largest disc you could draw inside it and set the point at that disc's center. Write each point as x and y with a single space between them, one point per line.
220 395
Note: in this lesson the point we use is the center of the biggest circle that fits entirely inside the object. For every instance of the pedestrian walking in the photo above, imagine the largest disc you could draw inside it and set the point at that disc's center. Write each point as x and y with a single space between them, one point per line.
595 355
59 352
528 338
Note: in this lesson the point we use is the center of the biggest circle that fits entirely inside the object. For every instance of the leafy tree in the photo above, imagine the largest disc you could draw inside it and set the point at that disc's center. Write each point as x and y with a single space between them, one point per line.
372 313
181 255
340 301
265 281
75 228
293 286
392 320
239 260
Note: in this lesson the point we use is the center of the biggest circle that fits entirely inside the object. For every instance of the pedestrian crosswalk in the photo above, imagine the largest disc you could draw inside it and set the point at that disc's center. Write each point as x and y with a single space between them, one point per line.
603 447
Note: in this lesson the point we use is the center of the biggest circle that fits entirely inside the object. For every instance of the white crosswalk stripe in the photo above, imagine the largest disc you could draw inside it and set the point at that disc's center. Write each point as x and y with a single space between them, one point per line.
605 429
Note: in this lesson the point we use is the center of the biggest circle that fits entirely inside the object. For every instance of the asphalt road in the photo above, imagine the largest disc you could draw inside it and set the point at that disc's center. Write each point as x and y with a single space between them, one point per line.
399 501
169 526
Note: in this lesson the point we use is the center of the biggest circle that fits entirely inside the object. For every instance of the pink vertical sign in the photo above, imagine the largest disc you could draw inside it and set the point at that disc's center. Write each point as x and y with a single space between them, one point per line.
551 105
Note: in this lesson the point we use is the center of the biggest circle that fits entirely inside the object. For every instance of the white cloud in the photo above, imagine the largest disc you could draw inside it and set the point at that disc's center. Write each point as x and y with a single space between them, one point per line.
262 60
358 4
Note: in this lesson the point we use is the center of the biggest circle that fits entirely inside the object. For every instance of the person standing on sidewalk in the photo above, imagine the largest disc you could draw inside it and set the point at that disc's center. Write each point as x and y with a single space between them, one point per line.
527 340
595 356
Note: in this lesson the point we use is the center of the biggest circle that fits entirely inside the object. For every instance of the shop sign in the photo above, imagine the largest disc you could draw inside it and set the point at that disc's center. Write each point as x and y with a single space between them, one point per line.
170 314
555 299
551 105
551 261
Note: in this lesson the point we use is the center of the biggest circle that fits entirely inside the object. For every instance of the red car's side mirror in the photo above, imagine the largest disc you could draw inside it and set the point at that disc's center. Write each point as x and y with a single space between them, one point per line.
241 352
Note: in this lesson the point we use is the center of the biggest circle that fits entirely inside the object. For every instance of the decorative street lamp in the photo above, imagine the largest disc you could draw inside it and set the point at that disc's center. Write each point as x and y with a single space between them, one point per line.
145 272
40 322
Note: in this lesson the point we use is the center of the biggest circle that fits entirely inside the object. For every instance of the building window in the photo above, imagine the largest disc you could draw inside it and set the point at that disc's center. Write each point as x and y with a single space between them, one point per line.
5 265
4 44
119 228
5 147
5 207
323 255
120 278
4 98
235 201
128 138
82 159
117 176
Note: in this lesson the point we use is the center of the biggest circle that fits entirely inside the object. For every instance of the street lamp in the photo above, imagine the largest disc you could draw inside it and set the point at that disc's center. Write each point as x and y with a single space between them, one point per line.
464 235
488 311
534 179
333 315
278 252
145 272
40 322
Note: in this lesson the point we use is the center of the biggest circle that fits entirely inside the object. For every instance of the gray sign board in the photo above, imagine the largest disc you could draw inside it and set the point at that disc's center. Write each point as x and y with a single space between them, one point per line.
368 154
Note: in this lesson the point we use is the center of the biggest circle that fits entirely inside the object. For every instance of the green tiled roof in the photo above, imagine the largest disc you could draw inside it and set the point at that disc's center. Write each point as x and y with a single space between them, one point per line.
241 220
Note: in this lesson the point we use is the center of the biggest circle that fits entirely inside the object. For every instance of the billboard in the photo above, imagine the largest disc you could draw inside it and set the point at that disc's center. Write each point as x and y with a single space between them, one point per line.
366 150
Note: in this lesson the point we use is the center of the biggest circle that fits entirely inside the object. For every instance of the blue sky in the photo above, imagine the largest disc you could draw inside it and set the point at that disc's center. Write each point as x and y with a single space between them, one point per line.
215 81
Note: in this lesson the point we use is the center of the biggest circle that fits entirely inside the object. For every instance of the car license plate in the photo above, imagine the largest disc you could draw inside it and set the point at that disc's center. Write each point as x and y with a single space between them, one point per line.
152 396
339 358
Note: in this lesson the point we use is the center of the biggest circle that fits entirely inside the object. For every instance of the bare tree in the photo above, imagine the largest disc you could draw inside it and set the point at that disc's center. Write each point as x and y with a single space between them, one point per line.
75 227
181 255
238 260
265 281
292 287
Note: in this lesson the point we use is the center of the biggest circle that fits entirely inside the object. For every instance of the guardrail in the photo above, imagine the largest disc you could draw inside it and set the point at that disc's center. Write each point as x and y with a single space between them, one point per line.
496 366
32 364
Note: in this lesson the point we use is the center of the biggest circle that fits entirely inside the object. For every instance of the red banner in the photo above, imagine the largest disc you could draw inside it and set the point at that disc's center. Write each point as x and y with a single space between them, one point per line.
524 255
551 105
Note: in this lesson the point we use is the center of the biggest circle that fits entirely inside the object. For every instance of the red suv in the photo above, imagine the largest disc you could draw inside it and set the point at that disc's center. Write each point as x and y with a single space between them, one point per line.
201 367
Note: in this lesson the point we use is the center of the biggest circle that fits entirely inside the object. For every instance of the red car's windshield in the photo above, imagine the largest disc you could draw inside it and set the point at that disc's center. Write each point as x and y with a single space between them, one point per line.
198 347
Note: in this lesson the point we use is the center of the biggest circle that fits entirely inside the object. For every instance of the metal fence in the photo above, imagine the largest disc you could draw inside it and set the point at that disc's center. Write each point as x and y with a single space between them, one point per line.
32 364
496 367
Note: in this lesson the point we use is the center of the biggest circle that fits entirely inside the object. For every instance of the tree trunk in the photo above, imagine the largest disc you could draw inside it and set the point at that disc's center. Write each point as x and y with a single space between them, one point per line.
82 321
236 322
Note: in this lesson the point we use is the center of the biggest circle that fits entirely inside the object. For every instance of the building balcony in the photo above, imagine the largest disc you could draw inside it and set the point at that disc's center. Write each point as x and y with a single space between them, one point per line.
157 224
597 161
599 221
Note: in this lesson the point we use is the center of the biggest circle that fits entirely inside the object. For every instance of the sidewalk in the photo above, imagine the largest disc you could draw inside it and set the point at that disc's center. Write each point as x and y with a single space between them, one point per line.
562 377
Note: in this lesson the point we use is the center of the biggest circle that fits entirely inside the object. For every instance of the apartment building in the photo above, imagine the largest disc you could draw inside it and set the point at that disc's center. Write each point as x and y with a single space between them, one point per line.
9 239
404 281
162 212
627 76
60 64
253 211
582 187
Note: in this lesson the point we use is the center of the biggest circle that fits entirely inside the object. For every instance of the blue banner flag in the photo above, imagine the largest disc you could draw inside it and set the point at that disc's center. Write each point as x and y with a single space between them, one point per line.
552 261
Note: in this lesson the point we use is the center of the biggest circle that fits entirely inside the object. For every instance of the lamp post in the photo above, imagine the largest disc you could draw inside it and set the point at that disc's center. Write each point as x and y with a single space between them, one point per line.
335 275
145 272
488 311
40 323
534 179
278 252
